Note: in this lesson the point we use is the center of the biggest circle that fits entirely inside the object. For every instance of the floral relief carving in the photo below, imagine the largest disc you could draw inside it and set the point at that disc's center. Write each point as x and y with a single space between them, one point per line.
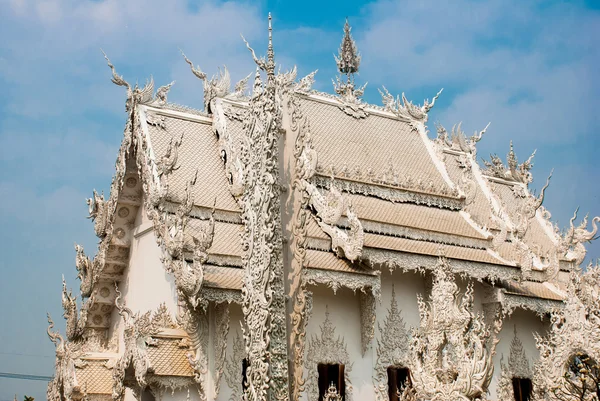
327 349
392 348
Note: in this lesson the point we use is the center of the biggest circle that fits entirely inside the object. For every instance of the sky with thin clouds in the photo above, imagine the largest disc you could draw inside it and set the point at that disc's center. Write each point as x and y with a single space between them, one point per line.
528 67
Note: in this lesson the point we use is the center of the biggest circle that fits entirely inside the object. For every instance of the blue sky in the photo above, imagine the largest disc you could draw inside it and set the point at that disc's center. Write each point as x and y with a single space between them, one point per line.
531 68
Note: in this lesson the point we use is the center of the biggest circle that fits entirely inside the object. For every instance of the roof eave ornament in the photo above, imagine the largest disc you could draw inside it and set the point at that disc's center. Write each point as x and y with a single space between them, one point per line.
218 86
139 95
348 63
405 110
457 140
513 171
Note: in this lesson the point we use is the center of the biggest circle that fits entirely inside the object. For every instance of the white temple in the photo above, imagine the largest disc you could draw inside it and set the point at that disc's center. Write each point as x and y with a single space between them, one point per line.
288 244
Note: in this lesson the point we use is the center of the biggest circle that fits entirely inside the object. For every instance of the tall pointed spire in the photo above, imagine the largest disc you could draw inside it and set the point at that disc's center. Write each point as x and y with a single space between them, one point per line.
348 58
270 52
348 63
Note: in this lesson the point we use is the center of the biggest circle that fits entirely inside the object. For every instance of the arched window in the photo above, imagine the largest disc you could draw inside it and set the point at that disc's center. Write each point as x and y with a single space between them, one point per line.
244 377
522 388
328 374
398 379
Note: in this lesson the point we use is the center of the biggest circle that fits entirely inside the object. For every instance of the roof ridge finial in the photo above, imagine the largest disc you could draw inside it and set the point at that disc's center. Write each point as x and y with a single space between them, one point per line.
348 59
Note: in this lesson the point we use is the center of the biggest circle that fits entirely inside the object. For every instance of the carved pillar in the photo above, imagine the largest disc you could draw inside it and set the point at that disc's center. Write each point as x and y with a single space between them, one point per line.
221 329
368 308
263 296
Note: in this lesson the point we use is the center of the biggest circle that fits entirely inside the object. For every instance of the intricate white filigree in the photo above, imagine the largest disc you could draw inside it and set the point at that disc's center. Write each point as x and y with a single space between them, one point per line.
574 330
233 368
263 298
450 360
348 63
405 110
513 171
220 342
457 140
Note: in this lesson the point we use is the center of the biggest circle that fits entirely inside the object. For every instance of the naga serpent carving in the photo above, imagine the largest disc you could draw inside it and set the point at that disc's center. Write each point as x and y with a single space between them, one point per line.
87 271
76 321
97 209
576 236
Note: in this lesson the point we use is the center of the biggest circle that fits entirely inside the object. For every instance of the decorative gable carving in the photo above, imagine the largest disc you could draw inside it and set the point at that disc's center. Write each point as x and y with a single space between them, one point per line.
392 348
326 349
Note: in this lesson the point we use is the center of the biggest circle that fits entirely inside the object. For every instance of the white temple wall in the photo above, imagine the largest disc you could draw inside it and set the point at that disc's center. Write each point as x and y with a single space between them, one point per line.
527 323
344 313
146 284
406 287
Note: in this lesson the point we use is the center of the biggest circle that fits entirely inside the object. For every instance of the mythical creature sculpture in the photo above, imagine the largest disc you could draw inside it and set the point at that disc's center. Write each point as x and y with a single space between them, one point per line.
346 244
332 394
87 271
76 321
240 89
576 236
557 374
97 212
405 110
450 355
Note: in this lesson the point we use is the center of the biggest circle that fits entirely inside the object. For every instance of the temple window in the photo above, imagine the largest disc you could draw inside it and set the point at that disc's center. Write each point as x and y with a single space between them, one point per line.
398 379
244 377
328 374
522 389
